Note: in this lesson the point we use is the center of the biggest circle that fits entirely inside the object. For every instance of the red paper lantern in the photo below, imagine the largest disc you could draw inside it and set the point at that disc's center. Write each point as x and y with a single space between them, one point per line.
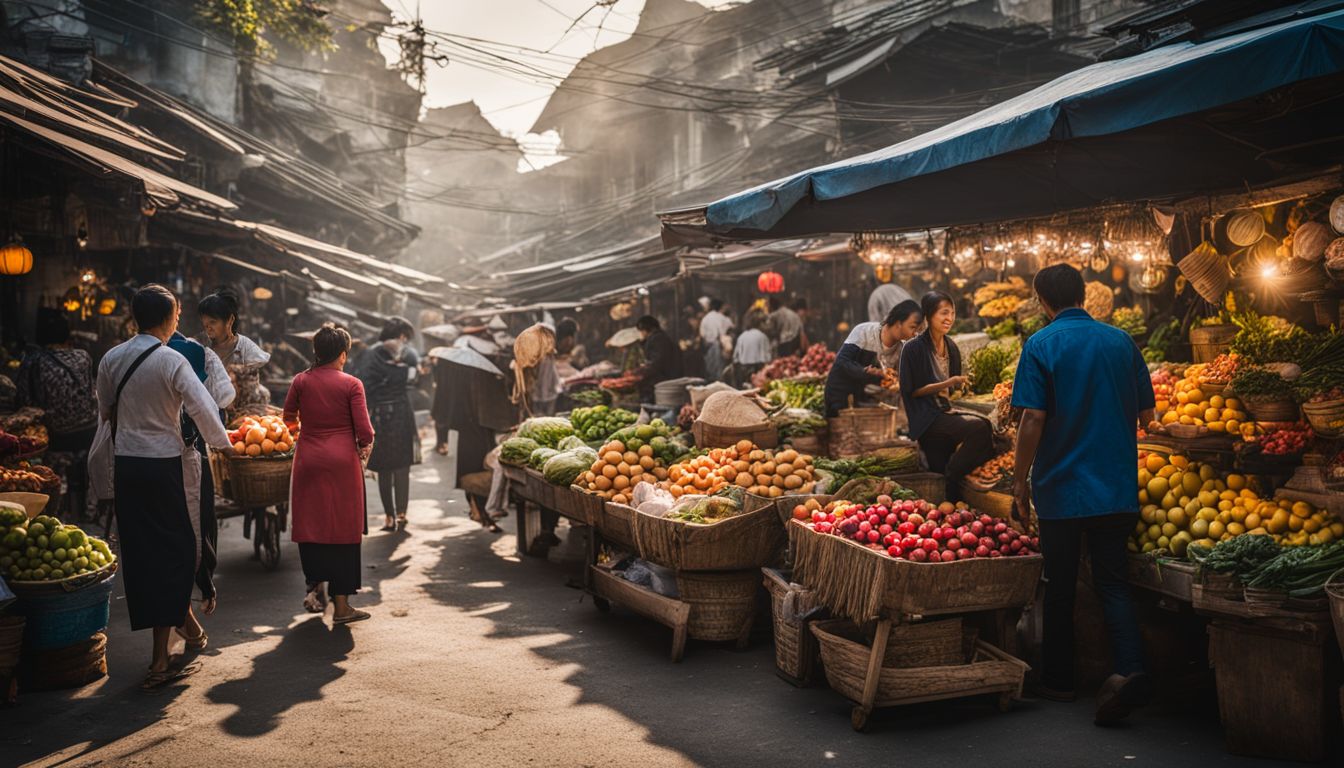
770 282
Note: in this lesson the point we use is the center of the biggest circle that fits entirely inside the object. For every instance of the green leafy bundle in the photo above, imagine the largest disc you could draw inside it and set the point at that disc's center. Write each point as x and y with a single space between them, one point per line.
987 363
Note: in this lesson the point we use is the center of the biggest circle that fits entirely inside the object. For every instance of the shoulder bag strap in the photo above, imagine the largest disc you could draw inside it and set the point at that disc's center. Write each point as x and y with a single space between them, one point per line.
116 399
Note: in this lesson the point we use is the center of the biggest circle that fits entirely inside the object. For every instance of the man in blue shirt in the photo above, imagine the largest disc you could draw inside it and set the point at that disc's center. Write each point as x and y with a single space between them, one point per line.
1085 390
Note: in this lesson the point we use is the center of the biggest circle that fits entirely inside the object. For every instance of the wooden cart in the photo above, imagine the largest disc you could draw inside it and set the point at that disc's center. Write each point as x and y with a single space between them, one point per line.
864 586
257 488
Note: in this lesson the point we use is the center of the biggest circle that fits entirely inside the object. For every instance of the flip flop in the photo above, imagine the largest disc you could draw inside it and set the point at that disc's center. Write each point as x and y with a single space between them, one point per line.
170 675
352 618
197 643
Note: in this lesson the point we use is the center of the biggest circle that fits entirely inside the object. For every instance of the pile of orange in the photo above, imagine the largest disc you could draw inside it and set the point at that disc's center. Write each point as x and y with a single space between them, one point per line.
759 471
262 436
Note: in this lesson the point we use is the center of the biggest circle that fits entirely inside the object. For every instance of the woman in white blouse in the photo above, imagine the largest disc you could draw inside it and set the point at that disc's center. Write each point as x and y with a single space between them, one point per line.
143 386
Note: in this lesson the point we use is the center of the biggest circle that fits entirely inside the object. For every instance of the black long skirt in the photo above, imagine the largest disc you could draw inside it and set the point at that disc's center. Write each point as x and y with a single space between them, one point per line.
336 564
158 545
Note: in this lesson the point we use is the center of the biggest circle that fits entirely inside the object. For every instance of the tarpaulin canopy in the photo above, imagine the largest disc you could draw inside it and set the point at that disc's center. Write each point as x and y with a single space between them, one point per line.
1170 121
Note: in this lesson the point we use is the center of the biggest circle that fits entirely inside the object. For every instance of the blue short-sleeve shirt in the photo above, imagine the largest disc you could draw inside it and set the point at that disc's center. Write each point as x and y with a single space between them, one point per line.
1092 382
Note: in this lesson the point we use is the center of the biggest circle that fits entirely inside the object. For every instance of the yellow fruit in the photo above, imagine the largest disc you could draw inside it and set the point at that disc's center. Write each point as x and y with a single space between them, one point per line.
1146 516
1217 426
1252 521
1154 463
1235 482
240 447
1192 410
1157 487
1154 531
1192 483
1177 517
1167 471
1207 515
1233 403
1216 529
1170 417
1337 528
1200 528
1196 396
1216 401
1182 398
1302 509
1311 525
1233 426
1207 472
254 450
1278 521
1212 414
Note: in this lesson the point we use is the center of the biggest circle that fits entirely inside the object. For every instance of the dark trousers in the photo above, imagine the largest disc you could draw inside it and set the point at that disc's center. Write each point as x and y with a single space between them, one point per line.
440 433
1061 545
955 444
394 488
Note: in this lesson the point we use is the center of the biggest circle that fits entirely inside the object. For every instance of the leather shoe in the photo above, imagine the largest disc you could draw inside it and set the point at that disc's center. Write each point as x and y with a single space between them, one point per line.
1120 695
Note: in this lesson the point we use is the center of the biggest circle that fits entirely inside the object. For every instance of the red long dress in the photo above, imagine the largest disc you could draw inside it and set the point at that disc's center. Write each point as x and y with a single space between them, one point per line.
327 488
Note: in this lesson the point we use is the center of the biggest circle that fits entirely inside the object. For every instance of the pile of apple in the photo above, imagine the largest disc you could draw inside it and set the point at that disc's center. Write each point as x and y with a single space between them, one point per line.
920 531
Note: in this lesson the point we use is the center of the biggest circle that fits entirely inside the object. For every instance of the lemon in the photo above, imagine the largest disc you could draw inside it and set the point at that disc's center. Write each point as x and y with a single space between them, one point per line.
1207 515
1252 521
1179 462
1199 528
1303 509
1216 529
1155 462
1216 401
1178 518
1157 487
1192 484
1233 403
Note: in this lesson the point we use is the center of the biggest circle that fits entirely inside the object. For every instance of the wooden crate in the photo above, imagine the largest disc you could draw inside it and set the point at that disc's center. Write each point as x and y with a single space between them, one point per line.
1276 688
859 584
668 611
852 671
537 490
1173 578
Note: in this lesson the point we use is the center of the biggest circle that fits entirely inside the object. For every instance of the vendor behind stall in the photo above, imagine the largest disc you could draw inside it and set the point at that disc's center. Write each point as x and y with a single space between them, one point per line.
870 348
241 356
662 360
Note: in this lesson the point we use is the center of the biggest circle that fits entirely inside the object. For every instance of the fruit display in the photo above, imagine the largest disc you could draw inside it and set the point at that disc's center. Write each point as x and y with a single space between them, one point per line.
1261 563
566 466
589 397
1334 394
618 469
625 381
1184 502
1284 442
1014 287
707 510
995 473
918 531
15 423
880 463
600 421
517 450
1130 320
760 471
1254 383
1218 372
1192 406
816 361
796 393
1003 306
547 431
42 549
264 436
986 365
29 478
31 440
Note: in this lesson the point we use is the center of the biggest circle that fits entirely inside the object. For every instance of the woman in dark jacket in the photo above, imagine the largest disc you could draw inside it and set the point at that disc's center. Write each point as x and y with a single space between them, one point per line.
953 443
386 371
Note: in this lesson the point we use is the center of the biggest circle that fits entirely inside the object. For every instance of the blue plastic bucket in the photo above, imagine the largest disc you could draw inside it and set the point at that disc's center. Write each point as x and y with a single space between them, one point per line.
63 619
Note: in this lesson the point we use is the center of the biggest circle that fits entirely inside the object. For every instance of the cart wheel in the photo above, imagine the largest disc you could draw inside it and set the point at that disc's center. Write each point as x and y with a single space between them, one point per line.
602 604
1005 702
268 534
858 718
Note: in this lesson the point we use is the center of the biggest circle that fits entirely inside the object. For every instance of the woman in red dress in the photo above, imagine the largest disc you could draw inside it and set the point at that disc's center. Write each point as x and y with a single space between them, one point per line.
327 488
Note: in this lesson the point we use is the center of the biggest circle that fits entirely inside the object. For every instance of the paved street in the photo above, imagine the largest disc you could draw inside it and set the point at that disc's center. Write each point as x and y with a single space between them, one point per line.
475 657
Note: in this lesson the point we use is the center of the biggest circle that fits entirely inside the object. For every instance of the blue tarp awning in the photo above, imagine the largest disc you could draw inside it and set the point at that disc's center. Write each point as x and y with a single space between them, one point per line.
1127 97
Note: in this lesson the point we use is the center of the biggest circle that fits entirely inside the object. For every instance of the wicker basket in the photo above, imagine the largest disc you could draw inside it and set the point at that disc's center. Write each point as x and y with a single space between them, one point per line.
1209 341
1327 419
11 643
844 656
751 540
814 444
992 503
858 431
763 435
1282 409
616 522
795 645
860 584
930 486
71 666
723 604
58 617
255 481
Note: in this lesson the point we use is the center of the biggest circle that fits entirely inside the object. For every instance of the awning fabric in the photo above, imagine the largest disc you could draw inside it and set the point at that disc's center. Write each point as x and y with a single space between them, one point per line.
1103 100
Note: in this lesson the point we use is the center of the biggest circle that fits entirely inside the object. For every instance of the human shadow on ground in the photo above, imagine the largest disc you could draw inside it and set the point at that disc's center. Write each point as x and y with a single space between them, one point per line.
292 673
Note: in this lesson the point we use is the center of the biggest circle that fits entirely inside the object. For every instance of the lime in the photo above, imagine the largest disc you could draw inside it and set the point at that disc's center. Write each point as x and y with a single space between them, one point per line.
36 529
68 568
61 554
645 432
43 542
60 539
48 556
78 538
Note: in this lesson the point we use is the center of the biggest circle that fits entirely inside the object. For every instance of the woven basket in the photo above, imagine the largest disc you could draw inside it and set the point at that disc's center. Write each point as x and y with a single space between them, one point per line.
723 604
1272 410
1208 272
219 470
259 481
813 444
1327 419
72 666
992 503
860 584
1209 341
1211 388
931 486
753 539
617 525
925 644
855 432
795 645
58 619
763 435
844 656
585 506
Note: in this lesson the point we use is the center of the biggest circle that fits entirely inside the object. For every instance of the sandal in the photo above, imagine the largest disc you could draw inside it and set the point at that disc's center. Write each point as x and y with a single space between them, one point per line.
352 618
316 600
441 449
389 528
401 522
171 675
197 643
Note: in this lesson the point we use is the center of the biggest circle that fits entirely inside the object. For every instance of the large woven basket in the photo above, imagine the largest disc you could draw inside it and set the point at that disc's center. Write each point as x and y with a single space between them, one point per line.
930 486
616 522
858 431
1272 410
1209 341
11 643
59 618
795 645
70 666
259 481
860 584
813 444
992 503
751 540
1327 419
844 656
723 603
763 435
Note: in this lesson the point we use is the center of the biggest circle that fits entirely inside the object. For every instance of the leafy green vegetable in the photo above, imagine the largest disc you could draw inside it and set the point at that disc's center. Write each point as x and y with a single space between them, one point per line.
1255 383
987 363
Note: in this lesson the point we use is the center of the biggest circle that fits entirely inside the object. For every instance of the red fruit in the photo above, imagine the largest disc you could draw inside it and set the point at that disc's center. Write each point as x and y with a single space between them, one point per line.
938 534
894 551
987 542
917 519
865 527
823 527
977 527
925 530
1000 527
909 542
830 517
969 539
1005 537
891 519
884 500
986 520
935 514
1035 542
965 554
919 555
929 544
907 506
873 537
995 553
982 551
948 556
906 527
1015 545
874 520
884 529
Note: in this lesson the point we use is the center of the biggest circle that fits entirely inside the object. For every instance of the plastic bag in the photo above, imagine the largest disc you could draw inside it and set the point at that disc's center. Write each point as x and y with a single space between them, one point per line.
652 500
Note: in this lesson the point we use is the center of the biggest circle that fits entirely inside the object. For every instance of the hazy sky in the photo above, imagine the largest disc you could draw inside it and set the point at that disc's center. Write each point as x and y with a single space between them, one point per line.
513 101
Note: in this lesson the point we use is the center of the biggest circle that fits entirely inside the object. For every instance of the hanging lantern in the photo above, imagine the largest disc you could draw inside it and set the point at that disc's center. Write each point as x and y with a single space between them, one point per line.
262 293
107 305
770 282
73 301
15 258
